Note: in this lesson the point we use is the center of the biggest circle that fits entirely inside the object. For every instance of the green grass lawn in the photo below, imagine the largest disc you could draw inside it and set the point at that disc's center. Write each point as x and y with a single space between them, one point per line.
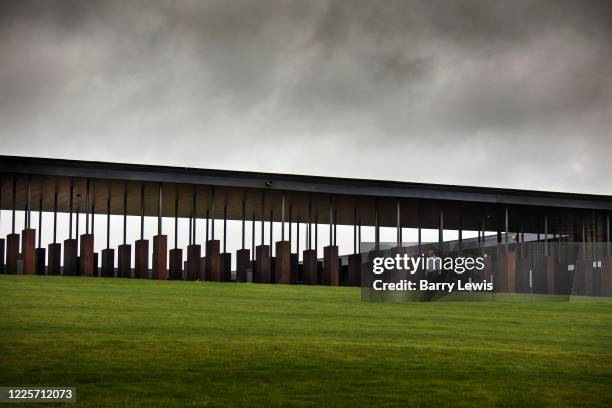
141 342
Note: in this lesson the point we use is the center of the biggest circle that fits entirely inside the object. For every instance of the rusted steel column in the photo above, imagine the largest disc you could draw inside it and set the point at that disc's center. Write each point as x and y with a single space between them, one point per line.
160 244
262 264
243 255
282 264
124 266
309 262
12 239
12 253
354 270
282 261
28 237
225 261
86 257
176 254
41 253
2 242
108 254
70 257
330 255
354 260
213 257
141 260
55 249
331 266
28 254
225 266
243 264
213 260
141 248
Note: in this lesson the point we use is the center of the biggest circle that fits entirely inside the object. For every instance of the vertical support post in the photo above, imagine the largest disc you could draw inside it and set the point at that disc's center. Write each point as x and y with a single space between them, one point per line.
87 206
2 242
353 277
282 262
262 273
125 250
176 254
160 242
441 231
212 220
41 252
213 256
86 255
419 232
55 249
510 269
243 221
283 216
398 225
28 237
12 240
226 257
108 254
546 235
376 227
309 228
330 254
355 230
207 221
243 255
253 235
194 251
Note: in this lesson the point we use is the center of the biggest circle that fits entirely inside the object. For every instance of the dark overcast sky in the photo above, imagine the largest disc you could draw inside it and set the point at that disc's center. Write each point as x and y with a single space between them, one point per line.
508 93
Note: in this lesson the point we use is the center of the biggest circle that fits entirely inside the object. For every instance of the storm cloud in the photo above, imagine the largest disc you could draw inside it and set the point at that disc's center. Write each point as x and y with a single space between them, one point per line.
508 94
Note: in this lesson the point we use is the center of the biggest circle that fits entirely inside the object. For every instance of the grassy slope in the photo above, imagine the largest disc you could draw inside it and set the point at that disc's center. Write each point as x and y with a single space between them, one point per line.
127 342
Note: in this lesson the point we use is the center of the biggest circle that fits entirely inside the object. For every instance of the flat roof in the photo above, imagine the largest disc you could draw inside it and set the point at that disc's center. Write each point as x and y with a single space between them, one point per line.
233 186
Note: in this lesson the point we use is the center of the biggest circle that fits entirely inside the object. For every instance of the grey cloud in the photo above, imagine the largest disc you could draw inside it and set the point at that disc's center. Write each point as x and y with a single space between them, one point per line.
514 94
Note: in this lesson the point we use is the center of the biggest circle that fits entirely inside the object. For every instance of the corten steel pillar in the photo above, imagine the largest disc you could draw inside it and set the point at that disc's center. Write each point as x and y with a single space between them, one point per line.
282 263
70 244
124 266
225 265
141 248
12 239
28 238
176 254
96 261
354 260
55 249
2 268
510 266
354 270
86 258
262 261
108 254
203 258
243 255
606 264
194 251
213 256
549 262
309 256
262 252
331 268
160 244
294 256
41 253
